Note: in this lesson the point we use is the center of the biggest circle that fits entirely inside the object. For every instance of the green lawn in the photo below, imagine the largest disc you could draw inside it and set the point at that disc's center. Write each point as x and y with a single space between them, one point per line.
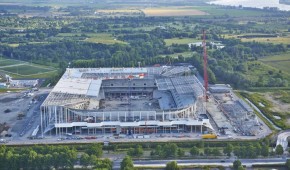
280 62
104 39
281 57
26 69
7 62
220 11
180 41
256 69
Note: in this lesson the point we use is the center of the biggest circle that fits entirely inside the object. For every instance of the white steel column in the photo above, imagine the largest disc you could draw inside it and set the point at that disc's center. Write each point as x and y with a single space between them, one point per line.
41 121
140 116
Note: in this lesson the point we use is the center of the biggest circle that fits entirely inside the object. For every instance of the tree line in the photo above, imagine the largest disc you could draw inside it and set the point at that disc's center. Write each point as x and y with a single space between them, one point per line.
50 156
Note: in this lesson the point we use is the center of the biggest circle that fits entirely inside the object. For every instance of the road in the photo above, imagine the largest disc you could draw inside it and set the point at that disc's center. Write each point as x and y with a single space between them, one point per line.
202 162
282 139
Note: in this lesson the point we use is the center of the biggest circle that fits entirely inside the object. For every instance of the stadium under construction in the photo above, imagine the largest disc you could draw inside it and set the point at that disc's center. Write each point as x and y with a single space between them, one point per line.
167 99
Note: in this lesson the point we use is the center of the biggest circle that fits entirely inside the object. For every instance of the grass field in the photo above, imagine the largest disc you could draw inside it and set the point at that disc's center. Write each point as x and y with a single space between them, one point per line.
26 69
281 62
94 37
258 68
221 11
104 39
116 11
22 69
180 41
173 11
8 62
274 40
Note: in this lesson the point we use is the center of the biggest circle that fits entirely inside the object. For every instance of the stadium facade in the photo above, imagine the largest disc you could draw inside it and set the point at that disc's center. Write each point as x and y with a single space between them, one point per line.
125 101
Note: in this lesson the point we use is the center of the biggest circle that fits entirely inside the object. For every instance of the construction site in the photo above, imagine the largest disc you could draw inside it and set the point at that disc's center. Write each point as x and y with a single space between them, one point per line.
125 100
139 102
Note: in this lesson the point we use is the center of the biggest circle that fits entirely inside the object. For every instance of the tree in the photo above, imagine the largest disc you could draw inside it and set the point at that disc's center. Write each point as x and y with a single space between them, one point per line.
85 160
216 152
237 164
172 166
103 164
228 149
279 150
131 152
170 150
127 163
201 144
207 151
194 151
137 151
265 151
180 152
288 163
95 149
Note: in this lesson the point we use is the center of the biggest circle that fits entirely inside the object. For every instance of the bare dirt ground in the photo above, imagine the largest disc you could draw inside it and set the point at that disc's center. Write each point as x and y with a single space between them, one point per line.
278 106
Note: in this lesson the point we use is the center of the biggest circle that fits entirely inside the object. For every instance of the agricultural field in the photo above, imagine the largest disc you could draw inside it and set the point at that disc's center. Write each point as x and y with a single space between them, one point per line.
224 11
174 11
118 12
274 40
104 39
281 62
171 41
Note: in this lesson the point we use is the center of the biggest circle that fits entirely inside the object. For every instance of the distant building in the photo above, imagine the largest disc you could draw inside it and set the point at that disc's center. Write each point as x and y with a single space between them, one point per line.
216 45
3 85
23 83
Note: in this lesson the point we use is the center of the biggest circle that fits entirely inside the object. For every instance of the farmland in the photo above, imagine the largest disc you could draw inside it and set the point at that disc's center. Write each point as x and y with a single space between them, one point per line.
274 40
281 62
104 39
118 12
178 11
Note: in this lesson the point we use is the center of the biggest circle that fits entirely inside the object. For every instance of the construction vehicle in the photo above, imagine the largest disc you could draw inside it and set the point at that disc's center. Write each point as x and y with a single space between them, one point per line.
209 136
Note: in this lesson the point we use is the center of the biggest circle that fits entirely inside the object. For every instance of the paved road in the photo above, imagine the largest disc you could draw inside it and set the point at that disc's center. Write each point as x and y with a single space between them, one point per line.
282 139
220 162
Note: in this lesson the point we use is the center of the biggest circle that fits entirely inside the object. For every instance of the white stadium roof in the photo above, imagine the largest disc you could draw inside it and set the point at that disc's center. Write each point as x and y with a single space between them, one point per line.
78 86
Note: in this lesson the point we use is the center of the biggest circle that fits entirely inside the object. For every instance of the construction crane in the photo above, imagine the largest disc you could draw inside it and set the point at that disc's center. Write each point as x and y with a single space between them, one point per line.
205 76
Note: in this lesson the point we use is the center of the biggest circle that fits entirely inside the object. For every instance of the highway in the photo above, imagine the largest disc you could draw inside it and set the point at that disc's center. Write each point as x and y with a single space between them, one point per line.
202 162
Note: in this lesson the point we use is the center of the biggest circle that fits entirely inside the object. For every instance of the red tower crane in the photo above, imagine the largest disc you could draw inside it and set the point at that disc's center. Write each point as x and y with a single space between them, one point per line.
205 76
